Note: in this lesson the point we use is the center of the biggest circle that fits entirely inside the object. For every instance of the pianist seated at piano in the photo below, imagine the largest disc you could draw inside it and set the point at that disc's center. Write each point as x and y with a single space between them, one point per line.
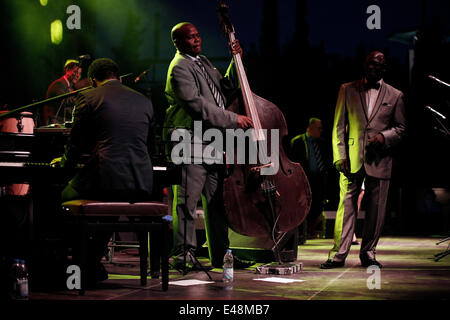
115 126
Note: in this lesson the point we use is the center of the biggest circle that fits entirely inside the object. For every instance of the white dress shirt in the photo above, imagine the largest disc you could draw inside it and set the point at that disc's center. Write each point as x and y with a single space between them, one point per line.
371 98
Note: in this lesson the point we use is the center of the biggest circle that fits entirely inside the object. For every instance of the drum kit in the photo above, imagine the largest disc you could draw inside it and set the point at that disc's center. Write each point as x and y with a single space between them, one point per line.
22 122
19 121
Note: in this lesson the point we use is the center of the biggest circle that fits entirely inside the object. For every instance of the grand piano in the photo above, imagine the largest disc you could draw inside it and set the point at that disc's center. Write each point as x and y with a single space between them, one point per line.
25 159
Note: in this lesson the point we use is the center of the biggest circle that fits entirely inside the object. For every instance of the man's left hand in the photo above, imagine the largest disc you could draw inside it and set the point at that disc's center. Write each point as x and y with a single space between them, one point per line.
235 47
377 140
244 122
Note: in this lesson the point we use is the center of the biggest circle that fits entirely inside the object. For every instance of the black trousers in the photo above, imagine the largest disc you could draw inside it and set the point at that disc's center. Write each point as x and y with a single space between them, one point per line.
317 183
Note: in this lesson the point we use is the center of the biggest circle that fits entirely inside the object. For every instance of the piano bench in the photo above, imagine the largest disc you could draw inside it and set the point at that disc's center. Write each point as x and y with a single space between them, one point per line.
143 217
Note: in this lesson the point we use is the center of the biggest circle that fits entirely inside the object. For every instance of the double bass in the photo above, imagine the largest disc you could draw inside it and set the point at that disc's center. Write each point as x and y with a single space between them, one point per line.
260 205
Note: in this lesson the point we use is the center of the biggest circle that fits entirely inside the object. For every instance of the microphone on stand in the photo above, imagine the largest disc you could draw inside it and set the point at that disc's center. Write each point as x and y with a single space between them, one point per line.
439 81
435 112
84 57
140 76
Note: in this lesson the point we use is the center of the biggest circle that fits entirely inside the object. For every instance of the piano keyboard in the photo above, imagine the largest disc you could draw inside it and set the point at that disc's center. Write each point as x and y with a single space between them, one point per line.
44 164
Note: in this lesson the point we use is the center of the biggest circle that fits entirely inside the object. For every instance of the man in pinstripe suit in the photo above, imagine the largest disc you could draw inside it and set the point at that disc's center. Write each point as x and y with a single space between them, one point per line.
311 151
196 91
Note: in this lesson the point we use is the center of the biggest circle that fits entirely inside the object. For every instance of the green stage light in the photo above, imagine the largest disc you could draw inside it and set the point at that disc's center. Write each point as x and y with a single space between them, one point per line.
56 31
43 2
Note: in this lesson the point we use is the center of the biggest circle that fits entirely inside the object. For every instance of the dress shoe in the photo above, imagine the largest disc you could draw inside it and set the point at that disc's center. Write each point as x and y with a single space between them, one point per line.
154 274
241 264
192 263
370 262
180 263
356 242
330 264
95 274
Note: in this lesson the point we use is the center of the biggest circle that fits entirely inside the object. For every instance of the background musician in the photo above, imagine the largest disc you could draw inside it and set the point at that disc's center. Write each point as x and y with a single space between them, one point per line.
310 150
59 112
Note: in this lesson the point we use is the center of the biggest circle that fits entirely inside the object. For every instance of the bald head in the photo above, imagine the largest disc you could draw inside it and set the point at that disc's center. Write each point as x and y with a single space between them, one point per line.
177 30
186 38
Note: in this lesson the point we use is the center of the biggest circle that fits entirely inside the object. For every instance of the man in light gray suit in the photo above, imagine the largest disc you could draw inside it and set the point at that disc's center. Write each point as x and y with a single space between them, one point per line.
369 121
196 91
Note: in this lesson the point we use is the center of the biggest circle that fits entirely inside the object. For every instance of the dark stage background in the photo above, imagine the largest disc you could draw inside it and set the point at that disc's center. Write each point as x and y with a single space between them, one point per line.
297 53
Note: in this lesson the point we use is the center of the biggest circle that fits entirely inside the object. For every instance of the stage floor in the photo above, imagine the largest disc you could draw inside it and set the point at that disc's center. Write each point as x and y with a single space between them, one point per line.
409 273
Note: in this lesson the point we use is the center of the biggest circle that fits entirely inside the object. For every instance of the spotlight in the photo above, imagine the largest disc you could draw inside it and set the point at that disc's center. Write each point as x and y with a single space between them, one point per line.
56 32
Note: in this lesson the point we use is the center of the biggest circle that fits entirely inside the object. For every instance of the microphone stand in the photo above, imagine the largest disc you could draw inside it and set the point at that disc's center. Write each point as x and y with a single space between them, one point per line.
436 115
440 255
439 81
49 100
443 130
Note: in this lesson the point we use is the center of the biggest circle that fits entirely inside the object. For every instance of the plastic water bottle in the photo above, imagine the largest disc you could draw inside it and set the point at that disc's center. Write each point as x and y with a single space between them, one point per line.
20 279
14 274
228 272
23 281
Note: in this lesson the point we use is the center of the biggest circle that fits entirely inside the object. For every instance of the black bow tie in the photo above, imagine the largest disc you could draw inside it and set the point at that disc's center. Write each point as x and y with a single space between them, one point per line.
368 86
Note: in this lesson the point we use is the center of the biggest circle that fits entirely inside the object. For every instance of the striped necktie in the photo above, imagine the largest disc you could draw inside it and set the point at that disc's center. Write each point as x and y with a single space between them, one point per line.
318 155
215 91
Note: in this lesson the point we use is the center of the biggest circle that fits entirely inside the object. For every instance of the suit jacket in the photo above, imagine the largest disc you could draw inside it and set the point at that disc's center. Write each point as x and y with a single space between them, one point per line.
300 152
387 118
190 97
114 124
60 111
